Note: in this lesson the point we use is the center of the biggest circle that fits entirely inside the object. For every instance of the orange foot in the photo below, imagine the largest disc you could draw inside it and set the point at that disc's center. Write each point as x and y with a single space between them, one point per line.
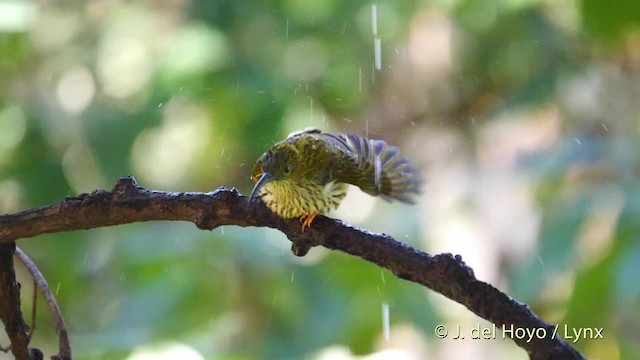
307 219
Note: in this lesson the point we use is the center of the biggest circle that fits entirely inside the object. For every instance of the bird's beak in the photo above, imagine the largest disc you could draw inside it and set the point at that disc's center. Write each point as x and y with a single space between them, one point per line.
264 179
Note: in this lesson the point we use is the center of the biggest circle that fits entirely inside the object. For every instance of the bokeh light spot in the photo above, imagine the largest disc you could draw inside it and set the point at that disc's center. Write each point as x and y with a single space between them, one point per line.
13 125
76 90
124 66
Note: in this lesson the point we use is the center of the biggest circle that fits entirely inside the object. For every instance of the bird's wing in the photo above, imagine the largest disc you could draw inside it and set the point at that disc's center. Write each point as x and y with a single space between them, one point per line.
374 166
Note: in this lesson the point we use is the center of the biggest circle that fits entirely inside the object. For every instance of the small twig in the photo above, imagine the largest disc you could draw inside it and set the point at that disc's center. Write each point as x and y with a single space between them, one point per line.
32 328
10 311
34 305
64 351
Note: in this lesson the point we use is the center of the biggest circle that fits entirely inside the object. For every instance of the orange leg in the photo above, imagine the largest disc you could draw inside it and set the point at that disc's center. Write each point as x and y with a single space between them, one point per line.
307 219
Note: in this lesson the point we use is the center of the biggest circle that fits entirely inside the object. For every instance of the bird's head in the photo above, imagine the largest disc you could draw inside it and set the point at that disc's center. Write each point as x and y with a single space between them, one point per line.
280 162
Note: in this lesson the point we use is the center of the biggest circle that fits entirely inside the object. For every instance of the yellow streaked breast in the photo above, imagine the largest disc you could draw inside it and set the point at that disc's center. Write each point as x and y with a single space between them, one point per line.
291 200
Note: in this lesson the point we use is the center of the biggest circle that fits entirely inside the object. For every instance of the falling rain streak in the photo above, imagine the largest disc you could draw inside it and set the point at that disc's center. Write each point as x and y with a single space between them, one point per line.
286 29
366 128
374 19
377 53
377 44
385 320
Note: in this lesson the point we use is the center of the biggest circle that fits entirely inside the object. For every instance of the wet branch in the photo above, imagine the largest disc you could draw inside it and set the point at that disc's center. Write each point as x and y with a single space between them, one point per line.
444 273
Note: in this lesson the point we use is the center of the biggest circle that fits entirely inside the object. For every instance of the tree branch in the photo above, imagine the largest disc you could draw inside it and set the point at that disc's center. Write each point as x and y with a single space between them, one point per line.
444 273
10 311
64 347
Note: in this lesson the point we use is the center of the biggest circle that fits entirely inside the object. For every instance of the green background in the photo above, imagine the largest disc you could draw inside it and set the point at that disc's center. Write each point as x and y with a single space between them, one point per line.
522 115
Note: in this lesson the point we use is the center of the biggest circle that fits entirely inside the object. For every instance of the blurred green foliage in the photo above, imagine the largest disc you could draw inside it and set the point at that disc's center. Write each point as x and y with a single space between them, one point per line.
522 114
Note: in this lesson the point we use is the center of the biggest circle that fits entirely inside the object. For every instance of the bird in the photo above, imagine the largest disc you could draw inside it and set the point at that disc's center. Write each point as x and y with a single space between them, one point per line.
307 173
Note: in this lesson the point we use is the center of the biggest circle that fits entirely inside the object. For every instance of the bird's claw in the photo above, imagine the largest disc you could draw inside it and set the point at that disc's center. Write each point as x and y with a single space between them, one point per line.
307 219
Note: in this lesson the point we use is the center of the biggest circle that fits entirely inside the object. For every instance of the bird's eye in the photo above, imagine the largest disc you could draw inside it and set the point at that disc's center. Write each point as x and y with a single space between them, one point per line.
287 169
